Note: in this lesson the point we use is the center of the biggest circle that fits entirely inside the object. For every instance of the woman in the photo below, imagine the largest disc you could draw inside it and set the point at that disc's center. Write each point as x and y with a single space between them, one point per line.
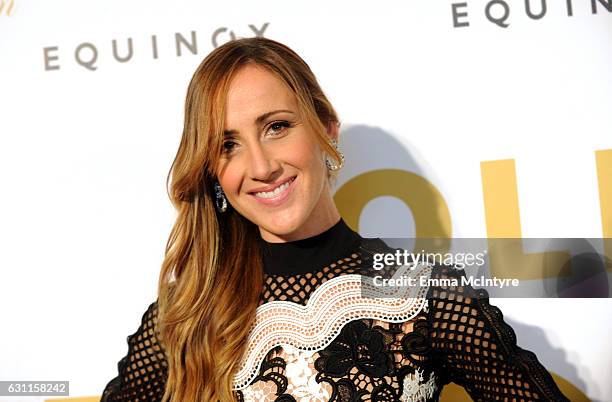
254 297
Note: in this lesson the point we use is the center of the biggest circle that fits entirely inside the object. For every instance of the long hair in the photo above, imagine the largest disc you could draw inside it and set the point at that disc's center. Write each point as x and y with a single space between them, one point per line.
212 275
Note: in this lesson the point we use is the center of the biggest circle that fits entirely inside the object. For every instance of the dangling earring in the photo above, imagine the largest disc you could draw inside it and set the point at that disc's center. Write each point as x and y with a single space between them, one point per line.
330 165
220 200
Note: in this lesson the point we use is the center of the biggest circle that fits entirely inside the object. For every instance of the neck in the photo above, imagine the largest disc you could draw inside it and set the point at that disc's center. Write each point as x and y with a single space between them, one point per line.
310 253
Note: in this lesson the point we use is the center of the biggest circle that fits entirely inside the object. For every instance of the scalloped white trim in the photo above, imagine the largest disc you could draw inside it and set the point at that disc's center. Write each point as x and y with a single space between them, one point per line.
331 306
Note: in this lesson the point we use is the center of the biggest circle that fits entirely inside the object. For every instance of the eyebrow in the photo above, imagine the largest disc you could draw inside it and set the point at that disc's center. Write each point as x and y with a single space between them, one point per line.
258 120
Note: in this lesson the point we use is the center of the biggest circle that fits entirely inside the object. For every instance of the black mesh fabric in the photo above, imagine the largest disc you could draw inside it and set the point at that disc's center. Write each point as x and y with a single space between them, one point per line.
142 372
478 350
458 338
297 288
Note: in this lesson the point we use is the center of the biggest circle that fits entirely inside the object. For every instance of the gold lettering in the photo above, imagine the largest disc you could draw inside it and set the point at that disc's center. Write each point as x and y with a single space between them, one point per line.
506 256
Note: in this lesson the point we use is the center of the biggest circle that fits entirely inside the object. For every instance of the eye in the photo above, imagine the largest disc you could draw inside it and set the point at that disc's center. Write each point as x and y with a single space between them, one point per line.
278 126
228 146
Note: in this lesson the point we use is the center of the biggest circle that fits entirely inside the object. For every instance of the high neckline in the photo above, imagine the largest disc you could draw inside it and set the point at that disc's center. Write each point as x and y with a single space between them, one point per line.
311 253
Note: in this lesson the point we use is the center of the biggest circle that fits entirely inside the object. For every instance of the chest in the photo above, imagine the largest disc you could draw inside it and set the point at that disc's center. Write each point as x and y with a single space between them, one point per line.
367 359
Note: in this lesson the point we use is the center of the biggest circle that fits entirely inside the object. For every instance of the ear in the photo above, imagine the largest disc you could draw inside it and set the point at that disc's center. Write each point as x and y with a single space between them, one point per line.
333 129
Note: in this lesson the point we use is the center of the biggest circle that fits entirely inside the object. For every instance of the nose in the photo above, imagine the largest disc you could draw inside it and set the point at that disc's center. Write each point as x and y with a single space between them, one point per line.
261 163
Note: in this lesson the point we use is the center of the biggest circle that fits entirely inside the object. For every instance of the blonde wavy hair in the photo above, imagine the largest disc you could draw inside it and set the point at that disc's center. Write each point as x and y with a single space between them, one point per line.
212 274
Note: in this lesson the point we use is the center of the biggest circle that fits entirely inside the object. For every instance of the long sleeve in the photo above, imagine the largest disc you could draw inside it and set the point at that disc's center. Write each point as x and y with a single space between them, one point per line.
142 372
478 350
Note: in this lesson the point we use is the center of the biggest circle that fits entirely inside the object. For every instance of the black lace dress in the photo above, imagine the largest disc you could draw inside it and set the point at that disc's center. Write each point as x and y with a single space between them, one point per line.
316 340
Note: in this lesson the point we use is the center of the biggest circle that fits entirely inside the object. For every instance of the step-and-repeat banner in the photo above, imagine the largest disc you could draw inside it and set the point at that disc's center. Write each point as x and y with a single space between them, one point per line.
464 118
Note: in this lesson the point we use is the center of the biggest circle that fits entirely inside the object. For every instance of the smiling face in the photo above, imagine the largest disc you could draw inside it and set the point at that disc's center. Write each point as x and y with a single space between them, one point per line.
272 169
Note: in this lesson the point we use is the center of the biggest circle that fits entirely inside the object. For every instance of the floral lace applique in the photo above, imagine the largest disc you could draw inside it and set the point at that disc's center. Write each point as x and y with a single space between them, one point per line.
331 306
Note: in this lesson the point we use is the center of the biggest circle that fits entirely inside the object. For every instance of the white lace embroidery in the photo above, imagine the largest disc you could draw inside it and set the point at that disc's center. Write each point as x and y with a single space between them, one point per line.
252 394
301 379
415 390
303 384
338 301
426 307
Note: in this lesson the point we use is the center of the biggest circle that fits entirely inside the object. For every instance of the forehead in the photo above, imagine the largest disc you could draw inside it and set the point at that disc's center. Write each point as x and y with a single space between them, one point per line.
254 90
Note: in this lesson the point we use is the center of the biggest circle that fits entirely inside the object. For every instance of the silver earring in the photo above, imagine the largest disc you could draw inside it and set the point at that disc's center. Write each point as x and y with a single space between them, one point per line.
330 165
220 200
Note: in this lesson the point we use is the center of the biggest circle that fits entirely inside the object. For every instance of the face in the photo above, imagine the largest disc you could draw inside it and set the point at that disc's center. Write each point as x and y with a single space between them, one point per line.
272 169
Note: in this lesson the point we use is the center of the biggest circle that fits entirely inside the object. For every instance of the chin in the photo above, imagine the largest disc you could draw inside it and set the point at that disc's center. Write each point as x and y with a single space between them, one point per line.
284 227
282 224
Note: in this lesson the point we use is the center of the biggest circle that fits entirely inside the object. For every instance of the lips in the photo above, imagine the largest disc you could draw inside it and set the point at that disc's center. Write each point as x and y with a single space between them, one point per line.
278 198
268 189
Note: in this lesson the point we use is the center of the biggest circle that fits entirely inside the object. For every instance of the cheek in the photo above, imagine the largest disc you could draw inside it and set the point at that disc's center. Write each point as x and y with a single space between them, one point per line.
307 155
314 172
316 159
230 179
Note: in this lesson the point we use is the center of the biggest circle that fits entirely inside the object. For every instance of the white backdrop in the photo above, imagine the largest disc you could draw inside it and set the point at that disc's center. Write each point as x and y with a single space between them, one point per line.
86 142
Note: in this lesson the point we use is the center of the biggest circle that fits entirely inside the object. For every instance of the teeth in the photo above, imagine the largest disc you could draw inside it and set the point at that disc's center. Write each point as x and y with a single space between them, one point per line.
277 191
